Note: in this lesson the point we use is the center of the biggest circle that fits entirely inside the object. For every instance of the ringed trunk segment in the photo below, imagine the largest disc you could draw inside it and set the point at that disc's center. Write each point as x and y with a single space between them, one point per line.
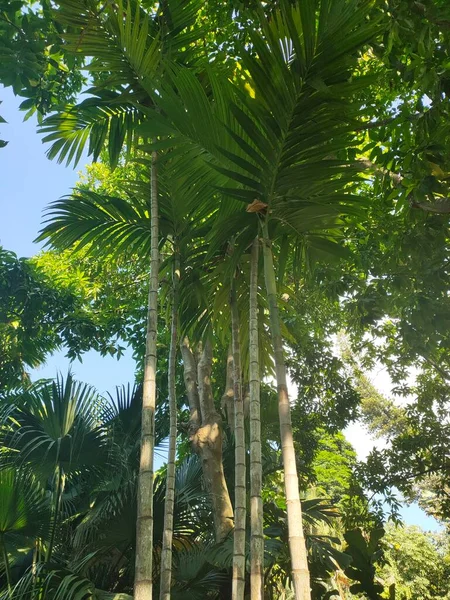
297 546
238 579
256 501
166 552
143 583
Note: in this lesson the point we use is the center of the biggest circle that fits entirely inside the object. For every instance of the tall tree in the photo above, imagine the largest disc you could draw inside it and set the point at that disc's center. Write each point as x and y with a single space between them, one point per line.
300 572
166 552
256 501
128 51
240 502
143 587
284 134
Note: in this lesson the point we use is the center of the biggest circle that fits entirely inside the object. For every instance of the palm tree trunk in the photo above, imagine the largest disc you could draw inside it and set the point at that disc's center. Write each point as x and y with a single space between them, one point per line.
143 580
205 435
297 547
166 554
208 441
256 502
191 385
238 581
227 403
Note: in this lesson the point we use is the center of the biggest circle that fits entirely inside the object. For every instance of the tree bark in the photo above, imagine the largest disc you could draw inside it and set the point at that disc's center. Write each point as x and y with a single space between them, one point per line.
297 547
205 428
143 581
238 579
227 403
190 383
246 399
166 553
256 501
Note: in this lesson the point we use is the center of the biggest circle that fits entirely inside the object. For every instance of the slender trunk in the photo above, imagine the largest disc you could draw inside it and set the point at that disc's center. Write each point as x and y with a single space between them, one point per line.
256 502
166 554
205 433
57 508
227 403
246 399
143 581
240 510
7 565
297 547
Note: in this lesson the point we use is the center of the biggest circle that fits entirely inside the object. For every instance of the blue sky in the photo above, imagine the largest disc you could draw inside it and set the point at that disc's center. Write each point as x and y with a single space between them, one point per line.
28 183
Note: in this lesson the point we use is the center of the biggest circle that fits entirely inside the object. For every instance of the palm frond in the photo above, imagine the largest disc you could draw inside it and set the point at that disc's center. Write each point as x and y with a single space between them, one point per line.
106 119
107 223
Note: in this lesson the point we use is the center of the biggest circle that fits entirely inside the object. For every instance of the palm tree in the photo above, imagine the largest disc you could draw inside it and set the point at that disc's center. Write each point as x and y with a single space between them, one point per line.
127 49
144 520
127 45
166 556
289 117
94 543
54 428
122 225
240 502
256 501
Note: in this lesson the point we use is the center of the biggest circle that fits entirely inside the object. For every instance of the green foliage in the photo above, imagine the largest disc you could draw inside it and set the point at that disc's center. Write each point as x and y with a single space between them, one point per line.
33 59
381 416
333 466
24 515
365 553
415 563
324 555
83 449
54 301
275 108
399 289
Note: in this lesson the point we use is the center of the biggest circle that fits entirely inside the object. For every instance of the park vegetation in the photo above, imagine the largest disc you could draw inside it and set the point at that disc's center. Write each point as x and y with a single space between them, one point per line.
265 218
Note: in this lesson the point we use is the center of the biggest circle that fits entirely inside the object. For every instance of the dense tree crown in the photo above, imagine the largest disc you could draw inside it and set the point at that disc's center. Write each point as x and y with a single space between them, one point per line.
264 223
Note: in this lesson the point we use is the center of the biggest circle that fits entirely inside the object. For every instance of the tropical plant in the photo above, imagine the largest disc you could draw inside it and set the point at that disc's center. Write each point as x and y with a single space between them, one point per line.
256 475
283 133
24 516
128 52
274 131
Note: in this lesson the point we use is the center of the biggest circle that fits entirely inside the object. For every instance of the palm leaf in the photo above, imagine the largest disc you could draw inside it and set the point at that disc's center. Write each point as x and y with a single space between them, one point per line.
106 119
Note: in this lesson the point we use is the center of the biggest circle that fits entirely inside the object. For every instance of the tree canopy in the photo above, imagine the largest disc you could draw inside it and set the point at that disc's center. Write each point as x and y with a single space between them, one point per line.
268 179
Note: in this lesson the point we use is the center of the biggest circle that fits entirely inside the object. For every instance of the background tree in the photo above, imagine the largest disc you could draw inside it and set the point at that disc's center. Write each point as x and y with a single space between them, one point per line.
51 302
416 563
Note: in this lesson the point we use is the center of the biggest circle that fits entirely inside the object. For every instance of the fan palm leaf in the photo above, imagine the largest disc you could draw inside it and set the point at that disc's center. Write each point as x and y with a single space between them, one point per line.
24 515
57 424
